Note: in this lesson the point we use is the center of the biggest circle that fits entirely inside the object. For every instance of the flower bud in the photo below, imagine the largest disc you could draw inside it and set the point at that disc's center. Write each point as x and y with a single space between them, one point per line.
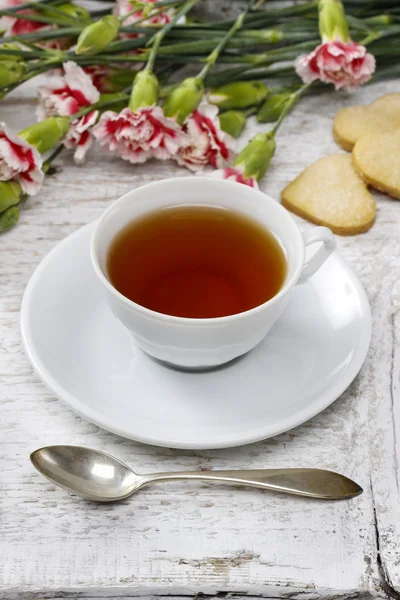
44 135
10 57
239 94
144 6
184 99
233 122
96 36
272 108
8 218
271 36
10 72
72 12
10 194
144 90
254 159
380 20
332 21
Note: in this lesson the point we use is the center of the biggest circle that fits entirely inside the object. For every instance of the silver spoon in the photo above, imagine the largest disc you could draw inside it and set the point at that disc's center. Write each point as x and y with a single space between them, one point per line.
101 477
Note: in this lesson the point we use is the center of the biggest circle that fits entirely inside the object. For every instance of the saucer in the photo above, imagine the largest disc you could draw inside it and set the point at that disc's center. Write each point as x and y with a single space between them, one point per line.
87 359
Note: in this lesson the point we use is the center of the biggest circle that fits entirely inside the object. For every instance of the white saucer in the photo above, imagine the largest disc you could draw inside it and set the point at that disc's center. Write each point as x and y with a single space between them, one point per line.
86 357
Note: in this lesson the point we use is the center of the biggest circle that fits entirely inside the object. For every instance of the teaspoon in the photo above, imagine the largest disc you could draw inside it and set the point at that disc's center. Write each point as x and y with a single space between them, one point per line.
100 477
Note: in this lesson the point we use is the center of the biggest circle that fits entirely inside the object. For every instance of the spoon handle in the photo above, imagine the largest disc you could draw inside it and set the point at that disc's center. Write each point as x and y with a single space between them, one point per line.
313 483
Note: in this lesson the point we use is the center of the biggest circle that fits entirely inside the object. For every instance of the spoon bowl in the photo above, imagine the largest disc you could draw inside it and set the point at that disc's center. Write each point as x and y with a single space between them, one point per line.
101 477
86 472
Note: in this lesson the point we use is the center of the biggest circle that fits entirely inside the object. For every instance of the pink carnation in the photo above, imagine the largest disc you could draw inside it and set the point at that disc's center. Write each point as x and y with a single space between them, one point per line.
79 135
234 174
345 64
67 93
15 26
207 143
98 75
140 135
19 161
64 95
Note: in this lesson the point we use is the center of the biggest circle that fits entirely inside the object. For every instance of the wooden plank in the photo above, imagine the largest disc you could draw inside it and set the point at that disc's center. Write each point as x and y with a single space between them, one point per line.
179 540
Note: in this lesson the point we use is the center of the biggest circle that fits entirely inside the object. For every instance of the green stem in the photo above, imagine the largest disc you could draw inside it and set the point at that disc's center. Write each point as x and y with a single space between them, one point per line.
36 5
161 3
292 101
272 15
188 5
28 55
47 163
32 73
372 37
40 35
56 12
242 44
32 17
120 46
299 24
249 112
213 57
153 13
101 104
30 46
156 39
248 72
153 52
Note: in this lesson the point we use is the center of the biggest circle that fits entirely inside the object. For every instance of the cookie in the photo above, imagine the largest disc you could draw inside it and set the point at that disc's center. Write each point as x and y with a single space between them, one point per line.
352 123
376 157
330 192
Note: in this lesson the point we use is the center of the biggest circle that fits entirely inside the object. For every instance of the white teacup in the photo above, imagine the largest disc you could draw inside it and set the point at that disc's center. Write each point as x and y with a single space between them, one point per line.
202 343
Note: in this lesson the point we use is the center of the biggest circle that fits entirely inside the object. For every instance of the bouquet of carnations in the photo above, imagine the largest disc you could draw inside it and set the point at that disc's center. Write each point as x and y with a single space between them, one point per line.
113 77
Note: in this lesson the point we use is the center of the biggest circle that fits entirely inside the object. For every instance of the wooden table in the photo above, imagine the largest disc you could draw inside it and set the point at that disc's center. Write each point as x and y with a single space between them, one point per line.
181 541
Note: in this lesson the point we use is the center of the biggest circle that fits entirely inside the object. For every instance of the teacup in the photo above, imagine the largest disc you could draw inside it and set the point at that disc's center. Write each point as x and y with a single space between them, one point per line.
205 343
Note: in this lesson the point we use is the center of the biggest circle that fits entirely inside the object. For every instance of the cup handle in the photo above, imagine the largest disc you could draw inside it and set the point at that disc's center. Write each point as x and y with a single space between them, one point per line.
312 236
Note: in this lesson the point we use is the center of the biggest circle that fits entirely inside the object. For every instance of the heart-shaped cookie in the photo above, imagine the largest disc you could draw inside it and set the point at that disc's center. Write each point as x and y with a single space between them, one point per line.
376 157
352 123
330 192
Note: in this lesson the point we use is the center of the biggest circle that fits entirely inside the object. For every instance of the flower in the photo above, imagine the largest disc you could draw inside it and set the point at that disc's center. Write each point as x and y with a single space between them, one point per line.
79 135
345 64
98 75
337 59
234 174
110 79
20 162
207 143
140 135
66 94
15 26
123 7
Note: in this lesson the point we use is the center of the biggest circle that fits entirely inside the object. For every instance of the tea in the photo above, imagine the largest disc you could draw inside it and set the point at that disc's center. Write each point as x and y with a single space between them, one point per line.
197 262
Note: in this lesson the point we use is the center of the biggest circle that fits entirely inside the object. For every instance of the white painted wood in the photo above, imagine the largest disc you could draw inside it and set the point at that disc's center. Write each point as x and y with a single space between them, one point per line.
175 540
